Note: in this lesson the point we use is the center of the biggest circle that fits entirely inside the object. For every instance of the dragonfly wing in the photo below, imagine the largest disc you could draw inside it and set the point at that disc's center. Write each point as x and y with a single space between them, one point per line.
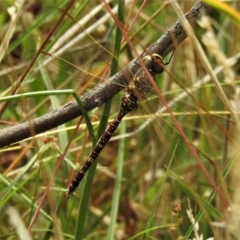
159 137
79 62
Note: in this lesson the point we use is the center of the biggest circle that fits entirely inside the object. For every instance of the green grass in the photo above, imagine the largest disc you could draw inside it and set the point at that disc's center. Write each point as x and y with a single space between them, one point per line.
135 192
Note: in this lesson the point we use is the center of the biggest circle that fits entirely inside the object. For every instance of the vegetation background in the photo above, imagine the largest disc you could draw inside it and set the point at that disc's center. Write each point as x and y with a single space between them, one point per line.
132 197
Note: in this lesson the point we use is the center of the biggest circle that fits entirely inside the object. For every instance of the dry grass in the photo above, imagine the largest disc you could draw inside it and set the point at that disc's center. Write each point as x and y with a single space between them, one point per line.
152 196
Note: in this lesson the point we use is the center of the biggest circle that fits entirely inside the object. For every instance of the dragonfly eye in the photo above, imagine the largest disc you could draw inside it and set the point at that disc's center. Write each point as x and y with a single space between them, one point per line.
157 63
154 63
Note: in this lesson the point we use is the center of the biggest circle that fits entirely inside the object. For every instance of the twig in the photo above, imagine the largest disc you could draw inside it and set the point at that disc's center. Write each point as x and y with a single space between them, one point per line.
105 91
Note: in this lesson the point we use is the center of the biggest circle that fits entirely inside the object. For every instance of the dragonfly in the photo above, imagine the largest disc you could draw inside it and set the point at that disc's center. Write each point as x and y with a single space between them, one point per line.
139 92
138 88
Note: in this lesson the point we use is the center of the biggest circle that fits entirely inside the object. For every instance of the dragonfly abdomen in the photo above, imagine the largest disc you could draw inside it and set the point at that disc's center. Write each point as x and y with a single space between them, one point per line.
129 102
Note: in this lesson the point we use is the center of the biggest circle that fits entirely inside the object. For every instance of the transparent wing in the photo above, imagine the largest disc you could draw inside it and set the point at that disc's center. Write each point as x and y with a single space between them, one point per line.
79 63
158 136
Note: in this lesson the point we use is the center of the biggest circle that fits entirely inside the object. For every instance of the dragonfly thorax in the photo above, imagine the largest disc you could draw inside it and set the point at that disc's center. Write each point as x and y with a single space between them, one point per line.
141 84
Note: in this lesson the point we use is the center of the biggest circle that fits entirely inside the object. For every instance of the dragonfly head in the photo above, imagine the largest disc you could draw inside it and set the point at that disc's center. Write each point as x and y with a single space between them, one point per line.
154 63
